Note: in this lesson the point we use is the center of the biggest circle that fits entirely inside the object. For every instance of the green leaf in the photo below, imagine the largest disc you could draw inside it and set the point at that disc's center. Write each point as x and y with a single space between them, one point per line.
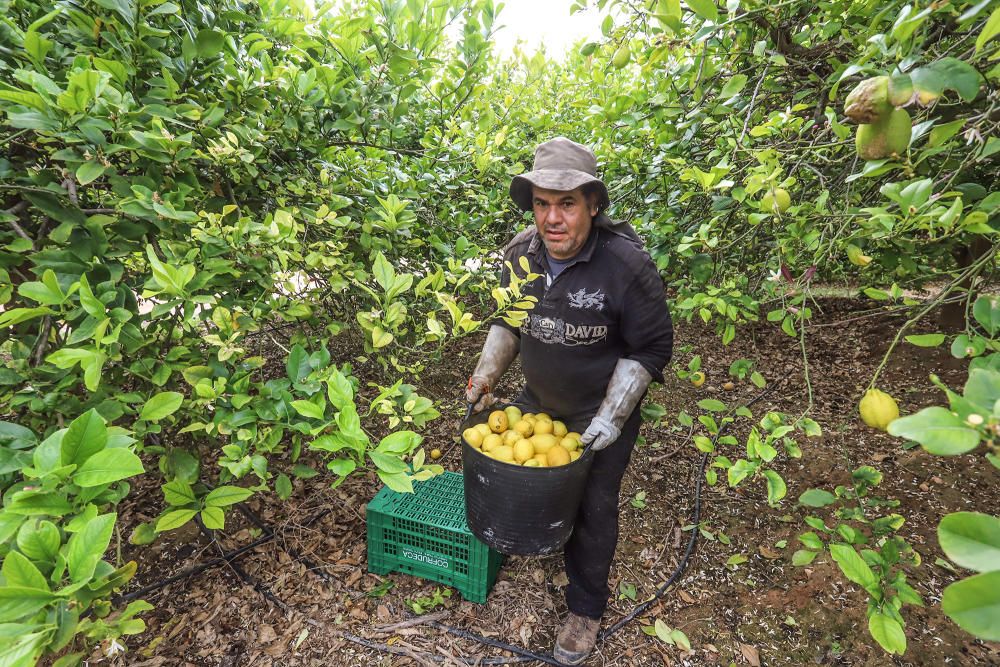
989 31
342 467
86 547
854 566
399 443
938 430
88 172
817 498
971 540
309 409
283 486
174 519
86 435
387 462
227 495
297 364
733 86
19 571
983 388
776 488
706 9
39 542
712 405
398 482
986 311
213 518
887 632
926 340
17 602
803 557
339 390
974 604
106 466
209 43
161 405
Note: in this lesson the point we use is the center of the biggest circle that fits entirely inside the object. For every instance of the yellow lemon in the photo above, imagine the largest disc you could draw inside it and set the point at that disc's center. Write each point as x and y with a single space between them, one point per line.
540 460
557 456
529 417
435 454
574 434
559 429
543 426
697 378
570 444
543 442
524 428
483 428
878 409
498 421
523 450
491 442
543 415
473 437
513 414
503 453
574 455
532 463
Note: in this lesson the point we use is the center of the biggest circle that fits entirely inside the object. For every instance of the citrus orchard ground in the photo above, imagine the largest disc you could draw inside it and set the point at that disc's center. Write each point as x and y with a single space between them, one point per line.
759 608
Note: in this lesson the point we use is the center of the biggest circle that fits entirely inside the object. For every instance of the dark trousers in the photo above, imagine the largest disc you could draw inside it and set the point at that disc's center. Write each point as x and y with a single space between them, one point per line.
591 547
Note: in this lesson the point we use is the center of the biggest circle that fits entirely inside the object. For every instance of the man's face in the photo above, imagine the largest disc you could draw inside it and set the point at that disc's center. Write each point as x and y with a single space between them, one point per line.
563 219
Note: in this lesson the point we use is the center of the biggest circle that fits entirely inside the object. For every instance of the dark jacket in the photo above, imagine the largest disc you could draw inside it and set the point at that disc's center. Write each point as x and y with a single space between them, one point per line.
607 304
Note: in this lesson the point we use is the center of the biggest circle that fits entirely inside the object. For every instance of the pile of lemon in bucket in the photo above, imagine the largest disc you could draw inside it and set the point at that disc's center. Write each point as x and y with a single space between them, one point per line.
529 439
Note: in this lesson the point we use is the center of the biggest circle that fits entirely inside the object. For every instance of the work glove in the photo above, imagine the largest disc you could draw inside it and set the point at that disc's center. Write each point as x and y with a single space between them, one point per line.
498 353
628 383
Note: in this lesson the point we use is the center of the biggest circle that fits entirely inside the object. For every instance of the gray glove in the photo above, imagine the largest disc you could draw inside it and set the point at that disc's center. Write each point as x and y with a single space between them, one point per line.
624 392
498 353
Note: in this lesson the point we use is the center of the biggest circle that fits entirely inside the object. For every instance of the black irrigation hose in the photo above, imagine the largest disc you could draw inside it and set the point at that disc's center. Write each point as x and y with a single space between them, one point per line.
227 557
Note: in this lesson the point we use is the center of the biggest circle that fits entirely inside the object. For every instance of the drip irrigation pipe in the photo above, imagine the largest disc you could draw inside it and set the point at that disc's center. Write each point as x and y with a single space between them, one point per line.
227 557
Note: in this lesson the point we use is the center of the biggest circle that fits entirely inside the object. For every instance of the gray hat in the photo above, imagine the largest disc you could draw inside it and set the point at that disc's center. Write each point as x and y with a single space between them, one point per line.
560 164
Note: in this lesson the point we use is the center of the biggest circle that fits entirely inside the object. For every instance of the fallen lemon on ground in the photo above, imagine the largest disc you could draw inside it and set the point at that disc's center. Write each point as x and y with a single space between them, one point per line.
878 409
435 454
697 378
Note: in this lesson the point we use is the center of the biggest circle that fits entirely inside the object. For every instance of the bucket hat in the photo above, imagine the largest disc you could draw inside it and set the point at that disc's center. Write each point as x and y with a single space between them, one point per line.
560 164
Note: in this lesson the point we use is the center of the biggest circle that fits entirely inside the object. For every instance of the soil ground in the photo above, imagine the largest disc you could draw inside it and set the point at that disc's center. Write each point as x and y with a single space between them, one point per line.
309 599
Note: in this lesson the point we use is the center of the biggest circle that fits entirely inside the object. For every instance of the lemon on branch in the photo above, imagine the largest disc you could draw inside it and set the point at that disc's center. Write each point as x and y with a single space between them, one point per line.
878 409
888 136
776 201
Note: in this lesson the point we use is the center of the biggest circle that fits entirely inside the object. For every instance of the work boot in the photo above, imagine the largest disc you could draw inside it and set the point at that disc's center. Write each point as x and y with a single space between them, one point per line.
576 639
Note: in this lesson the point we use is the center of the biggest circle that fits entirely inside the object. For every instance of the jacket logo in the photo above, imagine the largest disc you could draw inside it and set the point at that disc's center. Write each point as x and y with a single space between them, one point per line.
555 330
584 299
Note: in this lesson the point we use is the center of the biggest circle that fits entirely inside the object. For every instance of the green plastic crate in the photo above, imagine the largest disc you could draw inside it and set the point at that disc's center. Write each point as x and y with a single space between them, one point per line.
425 534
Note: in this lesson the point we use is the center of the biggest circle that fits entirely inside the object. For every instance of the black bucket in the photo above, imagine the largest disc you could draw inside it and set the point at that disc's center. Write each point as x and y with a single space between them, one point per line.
521 510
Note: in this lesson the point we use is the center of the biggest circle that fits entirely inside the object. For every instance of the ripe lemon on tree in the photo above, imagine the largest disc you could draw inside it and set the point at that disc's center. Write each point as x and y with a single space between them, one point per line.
776 201
697 378
878 409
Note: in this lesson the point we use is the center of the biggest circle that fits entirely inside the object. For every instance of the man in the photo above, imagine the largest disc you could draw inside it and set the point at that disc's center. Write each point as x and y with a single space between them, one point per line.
599 334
